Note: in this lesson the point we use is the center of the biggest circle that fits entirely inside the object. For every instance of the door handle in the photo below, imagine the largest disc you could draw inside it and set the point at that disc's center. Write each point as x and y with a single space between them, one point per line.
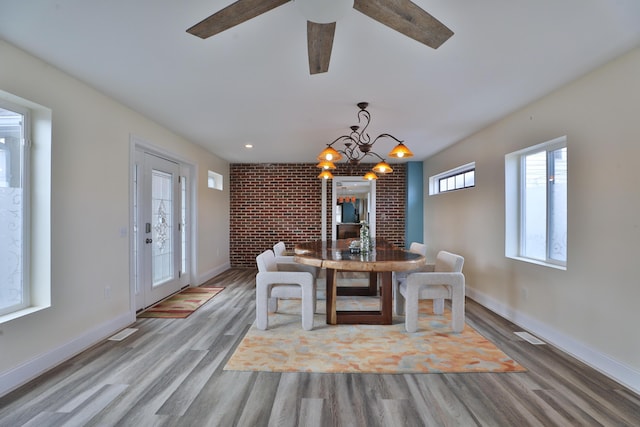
148 241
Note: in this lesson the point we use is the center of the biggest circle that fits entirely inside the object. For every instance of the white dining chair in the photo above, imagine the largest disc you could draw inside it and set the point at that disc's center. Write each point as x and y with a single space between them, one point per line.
446 281
273 283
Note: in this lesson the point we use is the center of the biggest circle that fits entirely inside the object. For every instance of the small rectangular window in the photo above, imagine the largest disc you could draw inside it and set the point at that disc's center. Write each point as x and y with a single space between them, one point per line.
214 180
470 179
454 179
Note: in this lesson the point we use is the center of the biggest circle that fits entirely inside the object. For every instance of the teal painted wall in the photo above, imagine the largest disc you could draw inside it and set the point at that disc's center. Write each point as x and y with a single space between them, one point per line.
414 222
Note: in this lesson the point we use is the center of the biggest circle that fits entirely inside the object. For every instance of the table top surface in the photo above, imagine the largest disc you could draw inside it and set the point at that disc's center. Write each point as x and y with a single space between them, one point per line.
336 254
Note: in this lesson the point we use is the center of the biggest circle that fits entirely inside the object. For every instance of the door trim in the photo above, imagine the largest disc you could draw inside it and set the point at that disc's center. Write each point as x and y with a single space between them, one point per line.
188 169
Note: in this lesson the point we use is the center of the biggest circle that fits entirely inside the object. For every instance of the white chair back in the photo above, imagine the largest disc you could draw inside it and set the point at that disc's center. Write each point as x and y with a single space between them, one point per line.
266 261
418 248
446 262
279 249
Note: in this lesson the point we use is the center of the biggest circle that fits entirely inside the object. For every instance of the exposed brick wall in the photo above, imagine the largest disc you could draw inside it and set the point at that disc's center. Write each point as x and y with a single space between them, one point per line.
273 202
390 205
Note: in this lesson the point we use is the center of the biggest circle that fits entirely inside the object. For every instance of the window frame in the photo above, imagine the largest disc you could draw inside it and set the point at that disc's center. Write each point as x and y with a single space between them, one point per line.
37 223
515 215
25 183
435 180
215 180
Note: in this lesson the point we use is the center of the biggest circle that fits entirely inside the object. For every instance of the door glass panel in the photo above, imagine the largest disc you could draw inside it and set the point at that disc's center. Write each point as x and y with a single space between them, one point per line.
183 222
136 229
162 248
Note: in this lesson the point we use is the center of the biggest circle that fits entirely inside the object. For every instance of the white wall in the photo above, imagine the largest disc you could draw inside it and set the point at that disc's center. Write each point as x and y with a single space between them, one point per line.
591 310
90 205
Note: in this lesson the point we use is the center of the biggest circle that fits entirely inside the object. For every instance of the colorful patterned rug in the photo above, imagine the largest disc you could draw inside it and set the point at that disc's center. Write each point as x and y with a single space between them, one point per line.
182 304
286 347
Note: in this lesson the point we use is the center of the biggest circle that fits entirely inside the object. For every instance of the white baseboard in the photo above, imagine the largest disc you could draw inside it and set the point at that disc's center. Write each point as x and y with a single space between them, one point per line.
602 362
212 273
14 378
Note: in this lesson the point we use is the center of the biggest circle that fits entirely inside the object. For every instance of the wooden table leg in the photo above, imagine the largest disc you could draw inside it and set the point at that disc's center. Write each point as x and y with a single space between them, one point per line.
386 298
373 283
331 292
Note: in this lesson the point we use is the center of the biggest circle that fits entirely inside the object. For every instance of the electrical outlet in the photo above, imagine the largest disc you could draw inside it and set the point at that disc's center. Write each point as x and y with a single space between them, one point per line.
524 292
107 292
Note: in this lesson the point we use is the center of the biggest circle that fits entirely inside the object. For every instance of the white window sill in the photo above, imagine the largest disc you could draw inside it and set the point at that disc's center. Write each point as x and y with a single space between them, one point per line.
538 262
21 313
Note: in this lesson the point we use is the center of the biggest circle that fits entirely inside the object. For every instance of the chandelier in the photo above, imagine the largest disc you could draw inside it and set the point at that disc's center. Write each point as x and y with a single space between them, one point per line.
358 145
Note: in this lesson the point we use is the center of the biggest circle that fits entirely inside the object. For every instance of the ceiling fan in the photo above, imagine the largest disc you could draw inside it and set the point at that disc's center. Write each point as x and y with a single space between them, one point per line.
403 16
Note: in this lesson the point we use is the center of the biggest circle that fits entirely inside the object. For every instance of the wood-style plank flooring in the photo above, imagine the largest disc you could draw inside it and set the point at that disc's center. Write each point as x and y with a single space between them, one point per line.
170 373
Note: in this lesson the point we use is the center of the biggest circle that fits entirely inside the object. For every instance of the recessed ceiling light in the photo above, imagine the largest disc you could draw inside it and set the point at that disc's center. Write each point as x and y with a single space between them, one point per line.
248 145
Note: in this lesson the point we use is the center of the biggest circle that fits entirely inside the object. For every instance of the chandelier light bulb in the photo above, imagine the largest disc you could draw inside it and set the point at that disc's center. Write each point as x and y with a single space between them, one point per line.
325 174
400 151
329 154
370 176
382 167
326 164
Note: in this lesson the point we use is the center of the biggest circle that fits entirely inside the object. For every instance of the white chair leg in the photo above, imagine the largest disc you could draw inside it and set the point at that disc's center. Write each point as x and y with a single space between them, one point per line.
457 310
411 310
273 305
262 318
398 301
315 297
308 302
438 306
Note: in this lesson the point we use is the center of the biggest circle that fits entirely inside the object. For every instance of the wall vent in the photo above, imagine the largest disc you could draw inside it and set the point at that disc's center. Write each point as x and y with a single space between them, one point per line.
122 334
530 338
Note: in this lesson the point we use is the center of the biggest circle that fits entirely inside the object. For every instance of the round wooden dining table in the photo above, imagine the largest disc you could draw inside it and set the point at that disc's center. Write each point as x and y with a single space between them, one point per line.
383 259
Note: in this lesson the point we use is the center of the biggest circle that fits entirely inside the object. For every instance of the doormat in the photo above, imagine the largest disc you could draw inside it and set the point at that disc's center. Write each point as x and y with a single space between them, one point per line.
182 304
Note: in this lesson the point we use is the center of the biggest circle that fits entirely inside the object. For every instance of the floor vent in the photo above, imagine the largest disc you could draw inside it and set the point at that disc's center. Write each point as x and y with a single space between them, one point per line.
530 338
122 334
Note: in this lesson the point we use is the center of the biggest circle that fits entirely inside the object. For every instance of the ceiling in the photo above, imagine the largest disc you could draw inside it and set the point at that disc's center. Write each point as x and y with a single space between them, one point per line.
251 84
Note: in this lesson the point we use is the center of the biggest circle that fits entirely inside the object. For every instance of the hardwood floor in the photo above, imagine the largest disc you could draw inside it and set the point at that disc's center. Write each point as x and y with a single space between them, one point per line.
169 373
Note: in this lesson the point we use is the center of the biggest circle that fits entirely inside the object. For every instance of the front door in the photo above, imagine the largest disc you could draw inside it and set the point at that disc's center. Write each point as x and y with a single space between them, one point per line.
158 232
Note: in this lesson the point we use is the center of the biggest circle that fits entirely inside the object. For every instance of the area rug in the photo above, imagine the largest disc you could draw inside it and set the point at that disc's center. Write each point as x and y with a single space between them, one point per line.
182 304
286 347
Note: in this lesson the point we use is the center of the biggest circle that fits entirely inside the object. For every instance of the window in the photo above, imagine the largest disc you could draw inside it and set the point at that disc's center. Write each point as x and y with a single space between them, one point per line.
25 207
214 180
536 203
14 196
454 179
